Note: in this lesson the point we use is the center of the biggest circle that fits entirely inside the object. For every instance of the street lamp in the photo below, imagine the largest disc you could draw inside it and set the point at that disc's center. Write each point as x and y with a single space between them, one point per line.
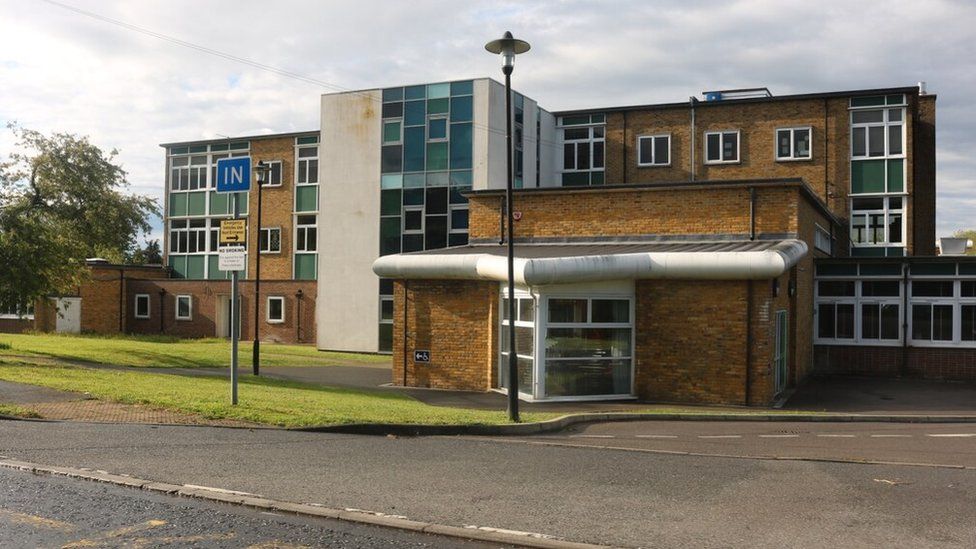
508 47
262 170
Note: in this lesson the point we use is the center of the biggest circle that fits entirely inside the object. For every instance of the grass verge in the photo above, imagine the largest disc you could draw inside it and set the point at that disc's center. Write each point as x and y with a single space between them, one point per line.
171 352
17 411
262 400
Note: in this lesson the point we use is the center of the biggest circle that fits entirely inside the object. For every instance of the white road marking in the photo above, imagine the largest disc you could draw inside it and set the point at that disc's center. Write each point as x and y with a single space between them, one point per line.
891 436
719 436
956 435
656 436
779 436
836 436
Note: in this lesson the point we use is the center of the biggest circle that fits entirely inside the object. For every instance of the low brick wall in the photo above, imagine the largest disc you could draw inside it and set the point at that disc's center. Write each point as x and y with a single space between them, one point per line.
949 364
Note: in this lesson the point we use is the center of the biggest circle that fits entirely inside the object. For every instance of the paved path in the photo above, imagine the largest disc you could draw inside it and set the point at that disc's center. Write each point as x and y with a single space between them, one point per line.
584 494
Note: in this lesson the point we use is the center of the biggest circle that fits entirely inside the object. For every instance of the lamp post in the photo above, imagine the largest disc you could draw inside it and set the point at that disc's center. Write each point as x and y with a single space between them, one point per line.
508 47
261 170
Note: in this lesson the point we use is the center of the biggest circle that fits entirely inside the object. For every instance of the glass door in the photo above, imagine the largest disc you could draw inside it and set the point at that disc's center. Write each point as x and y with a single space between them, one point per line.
781 351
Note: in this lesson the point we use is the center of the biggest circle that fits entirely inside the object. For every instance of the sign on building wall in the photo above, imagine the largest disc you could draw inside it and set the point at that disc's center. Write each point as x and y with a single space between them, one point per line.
231 258
234 174
421 356
233 231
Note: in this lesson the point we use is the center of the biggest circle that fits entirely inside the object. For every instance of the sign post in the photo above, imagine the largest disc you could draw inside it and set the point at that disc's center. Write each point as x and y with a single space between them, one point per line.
233 176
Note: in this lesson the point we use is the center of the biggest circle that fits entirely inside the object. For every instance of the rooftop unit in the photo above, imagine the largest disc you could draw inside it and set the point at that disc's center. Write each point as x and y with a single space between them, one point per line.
741 93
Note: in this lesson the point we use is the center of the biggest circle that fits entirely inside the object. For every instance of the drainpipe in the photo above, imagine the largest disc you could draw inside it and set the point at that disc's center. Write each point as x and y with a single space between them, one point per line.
826 156
405 283
904 320
748 387
298 315
162 308
691 105
121 301
624 176
501 221
752 213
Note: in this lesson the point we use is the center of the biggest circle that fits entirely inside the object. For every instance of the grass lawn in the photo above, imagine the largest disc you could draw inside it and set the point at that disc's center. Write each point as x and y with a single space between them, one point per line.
262 400
10 410
171 352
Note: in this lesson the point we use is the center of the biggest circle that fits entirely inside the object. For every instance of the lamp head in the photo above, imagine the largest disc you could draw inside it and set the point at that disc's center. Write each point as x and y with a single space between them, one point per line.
508 47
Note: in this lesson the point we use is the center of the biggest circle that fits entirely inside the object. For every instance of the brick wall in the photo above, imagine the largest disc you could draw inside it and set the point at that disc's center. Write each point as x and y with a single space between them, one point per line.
278 203
102 296
922 218
950 364
454 320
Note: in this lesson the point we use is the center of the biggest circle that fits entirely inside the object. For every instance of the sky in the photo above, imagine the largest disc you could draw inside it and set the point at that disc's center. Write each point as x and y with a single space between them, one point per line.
130 91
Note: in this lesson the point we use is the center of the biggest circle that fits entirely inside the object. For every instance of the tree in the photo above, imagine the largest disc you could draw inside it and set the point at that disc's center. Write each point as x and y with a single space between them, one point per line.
971 235
151 254
62 200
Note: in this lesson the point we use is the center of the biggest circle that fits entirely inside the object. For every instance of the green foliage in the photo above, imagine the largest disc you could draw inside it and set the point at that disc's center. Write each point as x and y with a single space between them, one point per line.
971 235
62 200
5 346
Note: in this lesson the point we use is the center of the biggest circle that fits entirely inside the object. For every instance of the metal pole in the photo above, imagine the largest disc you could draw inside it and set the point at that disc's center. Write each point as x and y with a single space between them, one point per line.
256 355
513 402
234 325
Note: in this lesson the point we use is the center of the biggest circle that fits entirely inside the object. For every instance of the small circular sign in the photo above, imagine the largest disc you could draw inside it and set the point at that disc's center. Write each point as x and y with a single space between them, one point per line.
516 215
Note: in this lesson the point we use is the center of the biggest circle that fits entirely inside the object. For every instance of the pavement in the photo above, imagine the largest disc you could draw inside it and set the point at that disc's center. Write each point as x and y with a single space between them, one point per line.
582 493
872 395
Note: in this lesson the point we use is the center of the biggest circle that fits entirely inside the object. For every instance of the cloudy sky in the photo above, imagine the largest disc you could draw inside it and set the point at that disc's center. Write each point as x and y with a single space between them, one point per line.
64 71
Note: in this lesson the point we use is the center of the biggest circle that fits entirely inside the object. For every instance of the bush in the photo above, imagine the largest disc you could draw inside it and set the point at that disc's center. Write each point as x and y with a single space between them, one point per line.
5 346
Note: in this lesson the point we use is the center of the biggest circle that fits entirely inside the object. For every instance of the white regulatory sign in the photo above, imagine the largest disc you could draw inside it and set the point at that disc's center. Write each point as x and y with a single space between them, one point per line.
231 258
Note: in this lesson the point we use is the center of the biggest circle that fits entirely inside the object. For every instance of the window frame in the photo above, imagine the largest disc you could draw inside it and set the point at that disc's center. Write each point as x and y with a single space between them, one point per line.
176 307
956 301
281 173
302 229
886 123
261 249
653 163
303 164
721 146
887 211
792 157
591 140
858 301
135 308
267 309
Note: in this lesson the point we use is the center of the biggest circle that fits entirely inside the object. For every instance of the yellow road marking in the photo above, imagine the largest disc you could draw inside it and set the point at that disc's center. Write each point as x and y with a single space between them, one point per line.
275 544
36 521
108 537
138 543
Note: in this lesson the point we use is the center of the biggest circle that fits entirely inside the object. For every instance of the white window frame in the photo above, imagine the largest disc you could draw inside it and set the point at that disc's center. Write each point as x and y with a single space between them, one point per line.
176 308
180 226
822 239
301 234
857 301
399 140
654 161
792 157
956 301
13 312
887 212
269 250
135 310
303 164
423 220
267 309
447 129
591 140
886 123
451 208
520 294
281 173
721 146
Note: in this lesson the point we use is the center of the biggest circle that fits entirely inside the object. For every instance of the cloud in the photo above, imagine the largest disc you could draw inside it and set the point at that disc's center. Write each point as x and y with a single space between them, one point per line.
62 71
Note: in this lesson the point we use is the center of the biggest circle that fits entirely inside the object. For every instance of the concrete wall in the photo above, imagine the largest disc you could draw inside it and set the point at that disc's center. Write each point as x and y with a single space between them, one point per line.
349 209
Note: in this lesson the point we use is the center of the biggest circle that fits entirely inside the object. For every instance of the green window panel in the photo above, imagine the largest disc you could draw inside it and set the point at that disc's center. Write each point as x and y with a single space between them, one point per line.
867 176
179 150
414 113
239 145
385 343
896 252
196 203
460 179
872 101
881 269
198 149
413 149
436 156
393 94
213 272
391 159
837 269
413 197
389 235
462 88
415 92
934 269
241 204
438 106
868 252
967 268
437 91
218 203
310 140
390 200
598 118
575 120
218 147
391 132
437 179
178 264
177 204
195 267
391 181
306 198
576 179
461 146
596 178
414 180
896 175
461 109
457 196
305 266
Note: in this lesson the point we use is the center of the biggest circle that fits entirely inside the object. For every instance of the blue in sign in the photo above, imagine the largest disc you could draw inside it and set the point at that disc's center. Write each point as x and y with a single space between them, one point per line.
234 174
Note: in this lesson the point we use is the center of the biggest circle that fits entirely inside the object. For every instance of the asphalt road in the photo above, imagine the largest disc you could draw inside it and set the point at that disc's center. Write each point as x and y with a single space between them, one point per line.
581 493
38 511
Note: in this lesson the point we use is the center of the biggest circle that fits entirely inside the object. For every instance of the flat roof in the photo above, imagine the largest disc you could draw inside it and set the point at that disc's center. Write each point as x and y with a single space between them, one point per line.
544 251
240 138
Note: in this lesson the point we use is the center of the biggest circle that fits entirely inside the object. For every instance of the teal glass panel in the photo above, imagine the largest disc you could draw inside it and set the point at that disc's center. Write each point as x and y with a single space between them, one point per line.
461 109
967 268
437 179
393 110
596 178
575 120
389 235
461 179
391 159
309 140
179 150
462 88
219 147
933 269
836 269
385 342
457 195
178 264
867 176
414 113
241 204
413 197
198 149
437 156
196 203
414 180
896 175
239 145
872 101
598 118
437 91
392 94
867 252
213 268
898 99
390 201
414 92
461 146
391 181
306 198
438 106
413 149
177 204
305 267
195 266
896 252
437 128
576 179
518 183
881 269
391 132
218 203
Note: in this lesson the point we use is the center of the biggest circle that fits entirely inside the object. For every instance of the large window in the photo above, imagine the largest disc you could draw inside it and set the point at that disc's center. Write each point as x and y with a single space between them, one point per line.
16 310
866 311
274 176
308 165
938 308
654 150
270 240
722 147
142 306
877 221
583 139
306 230
524 326
793 144
275 309
188 236
188 173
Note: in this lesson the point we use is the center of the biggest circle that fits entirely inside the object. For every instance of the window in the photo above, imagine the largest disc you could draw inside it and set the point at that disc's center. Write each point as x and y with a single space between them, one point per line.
437 128
188 236
16 310
793 144
188 173
307 165
142 306
583 139
524 326
274 176
270 240
305 233
933 310
867 311
877 133
413 220
722 147
877 221
654 150
184 307
276 309
822 240
392 132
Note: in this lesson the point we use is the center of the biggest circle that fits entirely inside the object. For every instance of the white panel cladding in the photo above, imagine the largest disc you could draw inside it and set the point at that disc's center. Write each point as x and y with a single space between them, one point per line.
347 315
